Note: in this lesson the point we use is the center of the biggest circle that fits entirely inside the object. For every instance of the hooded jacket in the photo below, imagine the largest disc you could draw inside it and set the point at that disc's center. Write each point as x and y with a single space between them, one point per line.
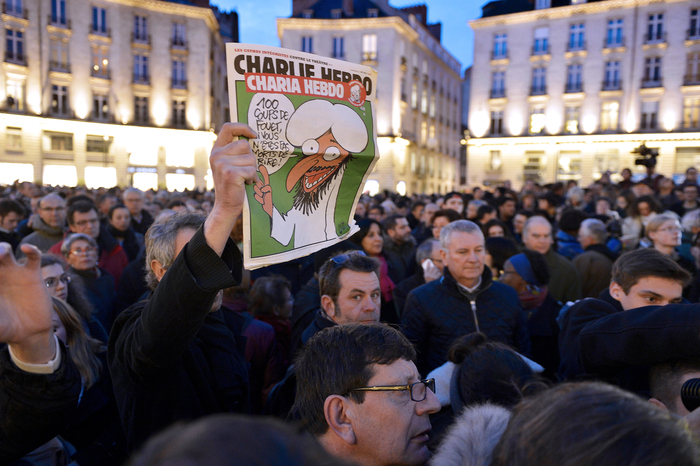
438 312
473 437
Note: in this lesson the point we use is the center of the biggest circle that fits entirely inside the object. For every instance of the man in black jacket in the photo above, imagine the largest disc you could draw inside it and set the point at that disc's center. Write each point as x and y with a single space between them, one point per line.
464 300
177 356
599 339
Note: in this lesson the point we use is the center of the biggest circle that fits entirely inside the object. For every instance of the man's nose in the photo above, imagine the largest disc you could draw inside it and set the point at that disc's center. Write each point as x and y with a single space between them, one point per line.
430 405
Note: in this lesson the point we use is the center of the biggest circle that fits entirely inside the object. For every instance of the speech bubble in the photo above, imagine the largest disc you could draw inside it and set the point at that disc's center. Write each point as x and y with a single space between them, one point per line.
268 114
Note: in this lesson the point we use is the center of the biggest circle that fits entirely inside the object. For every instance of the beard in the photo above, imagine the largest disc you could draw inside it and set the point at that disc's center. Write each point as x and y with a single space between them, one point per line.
307 202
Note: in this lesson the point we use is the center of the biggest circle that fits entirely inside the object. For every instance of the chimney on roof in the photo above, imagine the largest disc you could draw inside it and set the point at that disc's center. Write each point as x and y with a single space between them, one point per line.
300 5
349 7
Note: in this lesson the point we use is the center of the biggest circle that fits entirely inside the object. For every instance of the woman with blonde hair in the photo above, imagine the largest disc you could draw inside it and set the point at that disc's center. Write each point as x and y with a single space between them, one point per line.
665 233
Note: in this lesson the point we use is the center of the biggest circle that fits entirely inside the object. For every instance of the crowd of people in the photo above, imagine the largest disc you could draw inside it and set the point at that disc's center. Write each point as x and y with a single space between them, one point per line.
554 325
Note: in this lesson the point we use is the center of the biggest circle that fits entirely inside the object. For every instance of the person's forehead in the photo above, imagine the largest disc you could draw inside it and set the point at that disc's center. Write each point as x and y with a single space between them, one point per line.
352 280
52 270
398 372
539 228
666 287
52 201
462 239
79 243
89 214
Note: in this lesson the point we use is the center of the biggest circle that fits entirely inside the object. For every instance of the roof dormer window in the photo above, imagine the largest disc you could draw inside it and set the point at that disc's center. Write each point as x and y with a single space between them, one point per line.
307 14
372 13
336 13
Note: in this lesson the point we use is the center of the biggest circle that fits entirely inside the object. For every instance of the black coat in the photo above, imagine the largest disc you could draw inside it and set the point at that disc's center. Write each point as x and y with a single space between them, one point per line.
173 359
437 313
34 408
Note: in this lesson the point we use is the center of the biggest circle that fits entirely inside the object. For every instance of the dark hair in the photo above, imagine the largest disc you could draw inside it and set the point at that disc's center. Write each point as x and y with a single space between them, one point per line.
329 275
224 439
500 249
632 266
495 222
390 222
79 198
550 197
665 380
176 203
338 359
525 213
592 423
538 265
364 224
9 205
449 214
483 211
378 207
417 204
654 205
82 207
503 199
115 207
488 371
266 293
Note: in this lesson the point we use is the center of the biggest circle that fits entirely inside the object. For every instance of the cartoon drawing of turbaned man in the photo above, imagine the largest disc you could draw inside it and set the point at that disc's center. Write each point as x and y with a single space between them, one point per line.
328 134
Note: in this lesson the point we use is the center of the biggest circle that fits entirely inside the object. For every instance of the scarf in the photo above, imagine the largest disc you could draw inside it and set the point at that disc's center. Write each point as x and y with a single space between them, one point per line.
533 297
387 286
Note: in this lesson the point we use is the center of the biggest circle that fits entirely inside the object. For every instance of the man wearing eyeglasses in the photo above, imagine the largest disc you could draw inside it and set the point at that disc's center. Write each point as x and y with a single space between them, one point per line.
48 225
360 394
84 218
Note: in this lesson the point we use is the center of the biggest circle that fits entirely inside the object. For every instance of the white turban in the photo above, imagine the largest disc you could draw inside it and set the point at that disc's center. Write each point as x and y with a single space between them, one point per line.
314 118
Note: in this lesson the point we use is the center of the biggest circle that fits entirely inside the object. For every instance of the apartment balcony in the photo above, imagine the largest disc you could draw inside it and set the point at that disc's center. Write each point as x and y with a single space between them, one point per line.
142 38
576 46
178 83
59 66
611 86
15 58
538 90
613 43
178 43
498 93
369 56
540 50
59 22
142 79
101 73
572 88
62 112
692 34
104 32
655 38
651 83
499 56
11 10
691 80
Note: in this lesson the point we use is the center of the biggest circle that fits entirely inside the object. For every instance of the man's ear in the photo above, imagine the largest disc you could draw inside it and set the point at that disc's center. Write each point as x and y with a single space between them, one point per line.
338 413
328 305
658 403
616 291
158 269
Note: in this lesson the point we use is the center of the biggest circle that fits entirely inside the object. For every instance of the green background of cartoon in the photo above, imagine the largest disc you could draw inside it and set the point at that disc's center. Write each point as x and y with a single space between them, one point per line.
262 244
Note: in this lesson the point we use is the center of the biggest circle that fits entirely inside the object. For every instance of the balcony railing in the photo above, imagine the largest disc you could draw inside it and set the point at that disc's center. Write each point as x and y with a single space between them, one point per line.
612 85
692 34
614 42
12 10
101 73
178 83
59 22
16 58
654 38
140 38
538 90
499 55
59 66
691 79
498 93
573 87
178 43
651 82
142 79
540 49
105 32
575 46
369 56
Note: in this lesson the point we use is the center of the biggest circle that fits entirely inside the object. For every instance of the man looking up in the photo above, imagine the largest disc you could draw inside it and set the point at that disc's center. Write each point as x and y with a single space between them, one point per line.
48 225
360 394
564 282
465 300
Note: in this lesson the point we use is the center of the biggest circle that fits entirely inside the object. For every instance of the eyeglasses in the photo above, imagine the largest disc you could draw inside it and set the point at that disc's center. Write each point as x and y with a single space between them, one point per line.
436 261
418 390
52 282
52 209
83 223
671 229
338 260
83 252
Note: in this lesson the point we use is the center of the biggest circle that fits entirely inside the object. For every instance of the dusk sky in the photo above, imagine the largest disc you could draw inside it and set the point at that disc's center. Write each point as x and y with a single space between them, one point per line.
257 21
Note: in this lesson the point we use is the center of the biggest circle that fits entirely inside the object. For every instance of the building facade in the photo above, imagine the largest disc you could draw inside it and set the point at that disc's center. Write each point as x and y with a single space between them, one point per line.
111 92
567 92
418 90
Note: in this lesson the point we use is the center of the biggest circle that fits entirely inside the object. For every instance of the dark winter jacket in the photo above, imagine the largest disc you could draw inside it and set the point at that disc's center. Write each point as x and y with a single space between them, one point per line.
405 287
564 281
306 303
34 408
99 288
144 224
319 323
171 357
438 312
401 258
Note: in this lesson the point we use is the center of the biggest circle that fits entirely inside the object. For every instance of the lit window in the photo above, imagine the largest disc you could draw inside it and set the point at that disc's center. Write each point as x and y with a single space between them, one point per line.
369 47
59 100
609 116
13 138
691 113
179 120
572 117
650 111
537 120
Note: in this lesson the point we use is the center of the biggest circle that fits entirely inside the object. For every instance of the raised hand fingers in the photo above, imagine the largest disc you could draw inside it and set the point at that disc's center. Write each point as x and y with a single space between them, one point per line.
231 131
6 256
33 255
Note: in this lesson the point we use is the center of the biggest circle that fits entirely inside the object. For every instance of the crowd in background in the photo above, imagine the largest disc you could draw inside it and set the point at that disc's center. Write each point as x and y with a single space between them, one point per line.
470 324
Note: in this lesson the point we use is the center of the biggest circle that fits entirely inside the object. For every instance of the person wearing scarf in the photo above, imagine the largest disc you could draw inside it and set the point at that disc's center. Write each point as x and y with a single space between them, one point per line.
527 273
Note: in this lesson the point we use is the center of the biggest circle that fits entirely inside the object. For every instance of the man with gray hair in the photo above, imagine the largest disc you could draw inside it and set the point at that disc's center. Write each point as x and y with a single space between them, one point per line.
466 299
177 356
595 263
141 220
